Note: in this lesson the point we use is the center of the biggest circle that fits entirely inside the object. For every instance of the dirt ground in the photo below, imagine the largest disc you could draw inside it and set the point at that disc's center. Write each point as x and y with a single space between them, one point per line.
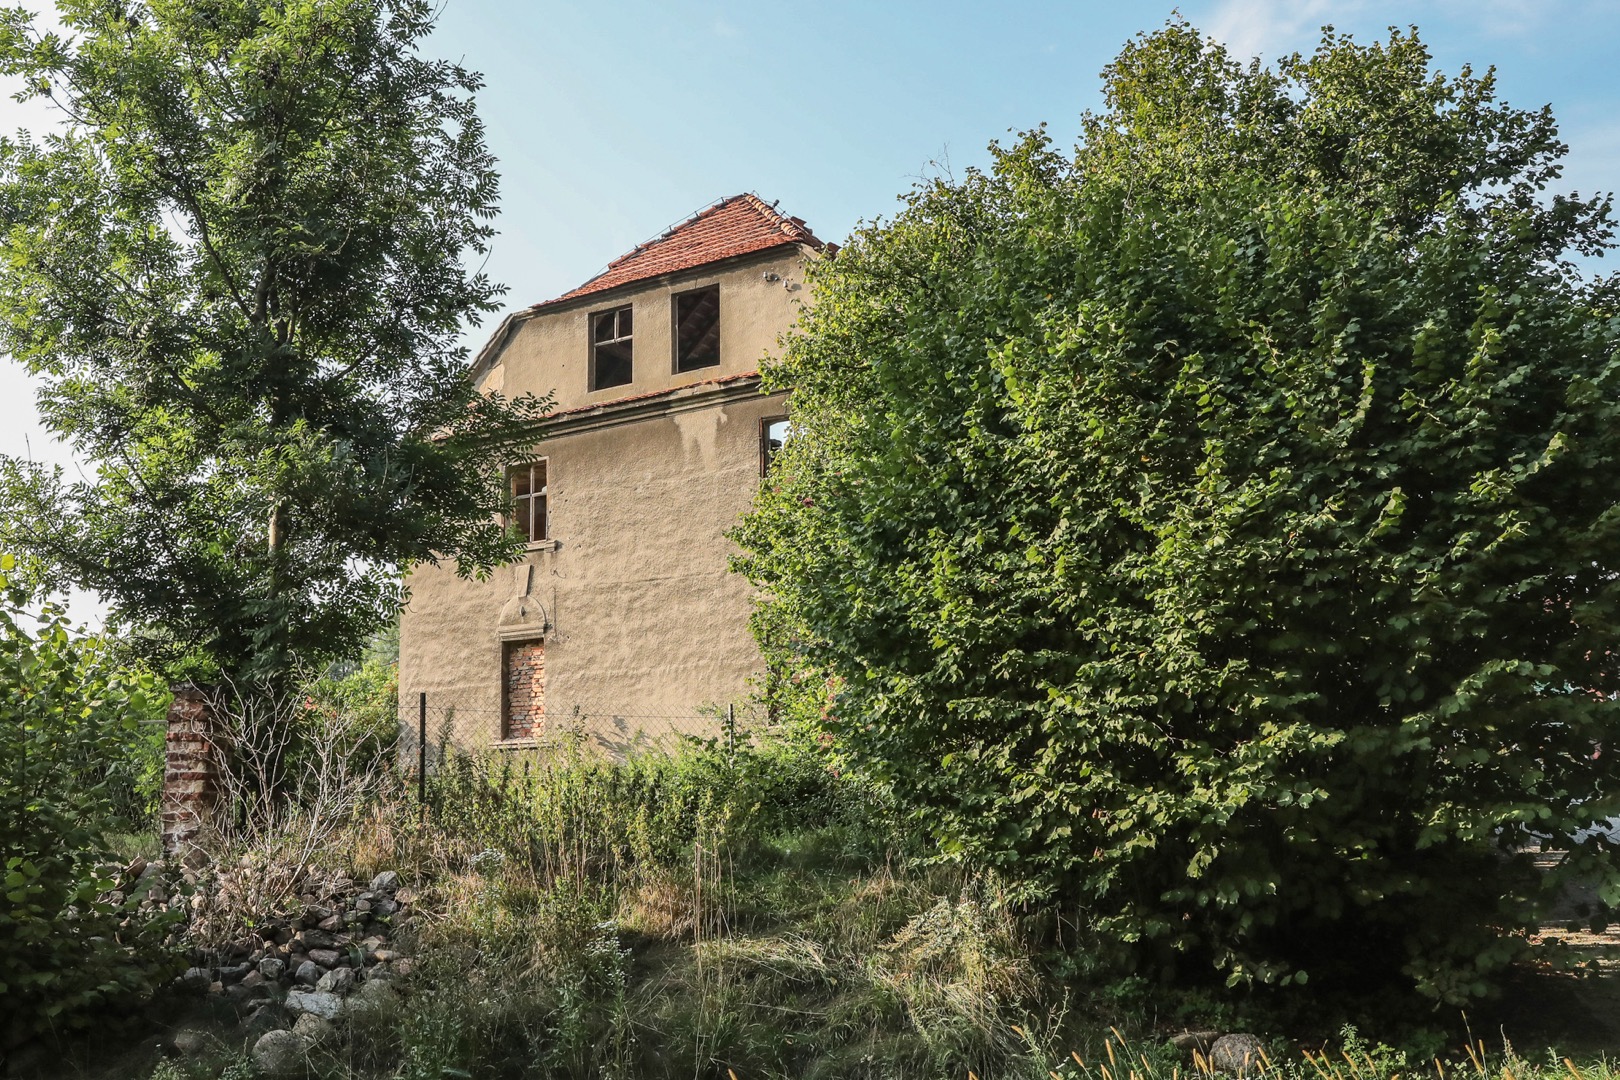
1578 1014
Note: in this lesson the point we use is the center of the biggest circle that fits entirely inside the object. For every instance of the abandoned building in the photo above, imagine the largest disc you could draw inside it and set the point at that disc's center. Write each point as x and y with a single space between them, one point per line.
622 608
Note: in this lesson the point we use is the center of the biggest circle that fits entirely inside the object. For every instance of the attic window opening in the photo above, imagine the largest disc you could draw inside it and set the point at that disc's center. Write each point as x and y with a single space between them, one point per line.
697 329
529 496
610 348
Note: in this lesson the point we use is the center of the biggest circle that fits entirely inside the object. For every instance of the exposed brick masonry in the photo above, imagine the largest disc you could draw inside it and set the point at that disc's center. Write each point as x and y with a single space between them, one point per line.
525 673
190 772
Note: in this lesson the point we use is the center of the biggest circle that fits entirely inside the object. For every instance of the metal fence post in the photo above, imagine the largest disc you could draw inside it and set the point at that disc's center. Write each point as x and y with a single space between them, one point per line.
731 729
421 750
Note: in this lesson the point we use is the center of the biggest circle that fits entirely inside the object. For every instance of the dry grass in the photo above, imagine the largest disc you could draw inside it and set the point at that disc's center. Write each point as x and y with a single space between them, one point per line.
692 915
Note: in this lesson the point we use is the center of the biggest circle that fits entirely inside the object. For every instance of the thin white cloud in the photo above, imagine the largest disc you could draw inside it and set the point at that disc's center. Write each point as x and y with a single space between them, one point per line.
1271 28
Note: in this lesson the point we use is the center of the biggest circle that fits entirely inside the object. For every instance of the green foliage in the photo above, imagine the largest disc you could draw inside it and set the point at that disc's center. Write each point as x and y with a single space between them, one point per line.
69 950
238 271
135 781
1213 531
678 914
367 698
571 813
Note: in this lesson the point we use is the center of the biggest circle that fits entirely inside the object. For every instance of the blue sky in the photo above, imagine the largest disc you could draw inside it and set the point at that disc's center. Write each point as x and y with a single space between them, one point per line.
613 120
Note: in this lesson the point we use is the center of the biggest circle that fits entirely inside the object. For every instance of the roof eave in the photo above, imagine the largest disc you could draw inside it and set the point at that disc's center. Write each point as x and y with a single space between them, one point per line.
503 333
655 280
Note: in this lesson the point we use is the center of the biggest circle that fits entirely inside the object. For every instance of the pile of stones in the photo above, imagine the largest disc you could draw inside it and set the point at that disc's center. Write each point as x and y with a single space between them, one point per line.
295 975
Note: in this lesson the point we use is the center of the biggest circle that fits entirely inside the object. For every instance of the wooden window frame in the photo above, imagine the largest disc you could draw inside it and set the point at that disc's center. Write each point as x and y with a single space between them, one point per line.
677 365
765 454
523 505
618 339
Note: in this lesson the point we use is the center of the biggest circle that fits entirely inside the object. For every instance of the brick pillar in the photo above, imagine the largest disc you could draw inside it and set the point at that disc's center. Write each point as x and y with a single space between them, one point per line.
190 773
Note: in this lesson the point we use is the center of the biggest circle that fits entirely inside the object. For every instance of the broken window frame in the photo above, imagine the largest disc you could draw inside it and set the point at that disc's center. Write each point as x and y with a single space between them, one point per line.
623 333
683 361
769 447
532 503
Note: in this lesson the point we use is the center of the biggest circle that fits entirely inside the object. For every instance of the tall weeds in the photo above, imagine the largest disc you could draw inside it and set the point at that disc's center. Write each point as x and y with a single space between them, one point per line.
682 913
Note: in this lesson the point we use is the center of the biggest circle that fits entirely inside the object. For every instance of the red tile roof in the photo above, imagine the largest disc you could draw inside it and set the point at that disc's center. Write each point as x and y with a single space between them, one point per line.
738 225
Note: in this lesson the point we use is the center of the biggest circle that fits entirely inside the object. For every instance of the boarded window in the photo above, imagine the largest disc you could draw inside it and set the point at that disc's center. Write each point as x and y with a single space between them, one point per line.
697 329
611 339
529 498
523 668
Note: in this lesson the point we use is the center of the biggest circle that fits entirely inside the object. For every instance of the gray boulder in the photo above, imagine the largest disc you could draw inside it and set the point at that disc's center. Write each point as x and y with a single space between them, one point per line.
317 939
308 973
234 973
271 968
387 881
196 980
374 1000
327 958
1195 1042
337 981
281 1054
192 1042
1238 1055
263 1020
325 1005
314 1029
377 992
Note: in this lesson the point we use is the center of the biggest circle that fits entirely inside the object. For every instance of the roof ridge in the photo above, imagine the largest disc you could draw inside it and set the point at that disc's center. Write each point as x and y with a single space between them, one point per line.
792 226
770 222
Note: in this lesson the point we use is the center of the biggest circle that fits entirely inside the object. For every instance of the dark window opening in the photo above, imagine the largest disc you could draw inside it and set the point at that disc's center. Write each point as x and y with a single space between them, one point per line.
773 433
529 495
697 329
610 348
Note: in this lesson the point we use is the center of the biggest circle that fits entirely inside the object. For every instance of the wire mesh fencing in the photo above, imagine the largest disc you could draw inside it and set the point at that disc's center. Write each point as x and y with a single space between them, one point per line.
431 729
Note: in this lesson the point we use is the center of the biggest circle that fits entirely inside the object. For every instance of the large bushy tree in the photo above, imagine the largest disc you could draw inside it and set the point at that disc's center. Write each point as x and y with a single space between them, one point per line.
1216 529
240 269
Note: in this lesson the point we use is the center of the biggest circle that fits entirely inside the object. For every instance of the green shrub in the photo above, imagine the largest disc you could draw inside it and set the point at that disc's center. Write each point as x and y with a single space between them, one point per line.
71 721
1208 531
570 812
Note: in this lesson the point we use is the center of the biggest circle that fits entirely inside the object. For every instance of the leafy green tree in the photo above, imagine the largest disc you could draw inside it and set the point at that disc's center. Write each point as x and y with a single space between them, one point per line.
1216 529
238 269
69 946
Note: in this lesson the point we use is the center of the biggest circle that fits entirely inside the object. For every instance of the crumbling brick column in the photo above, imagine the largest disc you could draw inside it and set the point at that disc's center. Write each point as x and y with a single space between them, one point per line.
190 773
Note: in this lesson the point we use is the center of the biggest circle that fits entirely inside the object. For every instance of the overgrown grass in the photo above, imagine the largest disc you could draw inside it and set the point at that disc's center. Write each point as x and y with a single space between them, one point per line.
757 915
684 914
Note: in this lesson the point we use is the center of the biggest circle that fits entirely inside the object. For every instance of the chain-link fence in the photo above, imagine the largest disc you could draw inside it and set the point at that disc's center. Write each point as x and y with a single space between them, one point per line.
431 728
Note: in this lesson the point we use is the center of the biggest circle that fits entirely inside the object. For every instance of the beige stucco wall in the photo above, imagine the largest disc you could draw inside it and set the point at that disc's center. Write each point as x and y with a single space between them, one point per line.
551 350
644 625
